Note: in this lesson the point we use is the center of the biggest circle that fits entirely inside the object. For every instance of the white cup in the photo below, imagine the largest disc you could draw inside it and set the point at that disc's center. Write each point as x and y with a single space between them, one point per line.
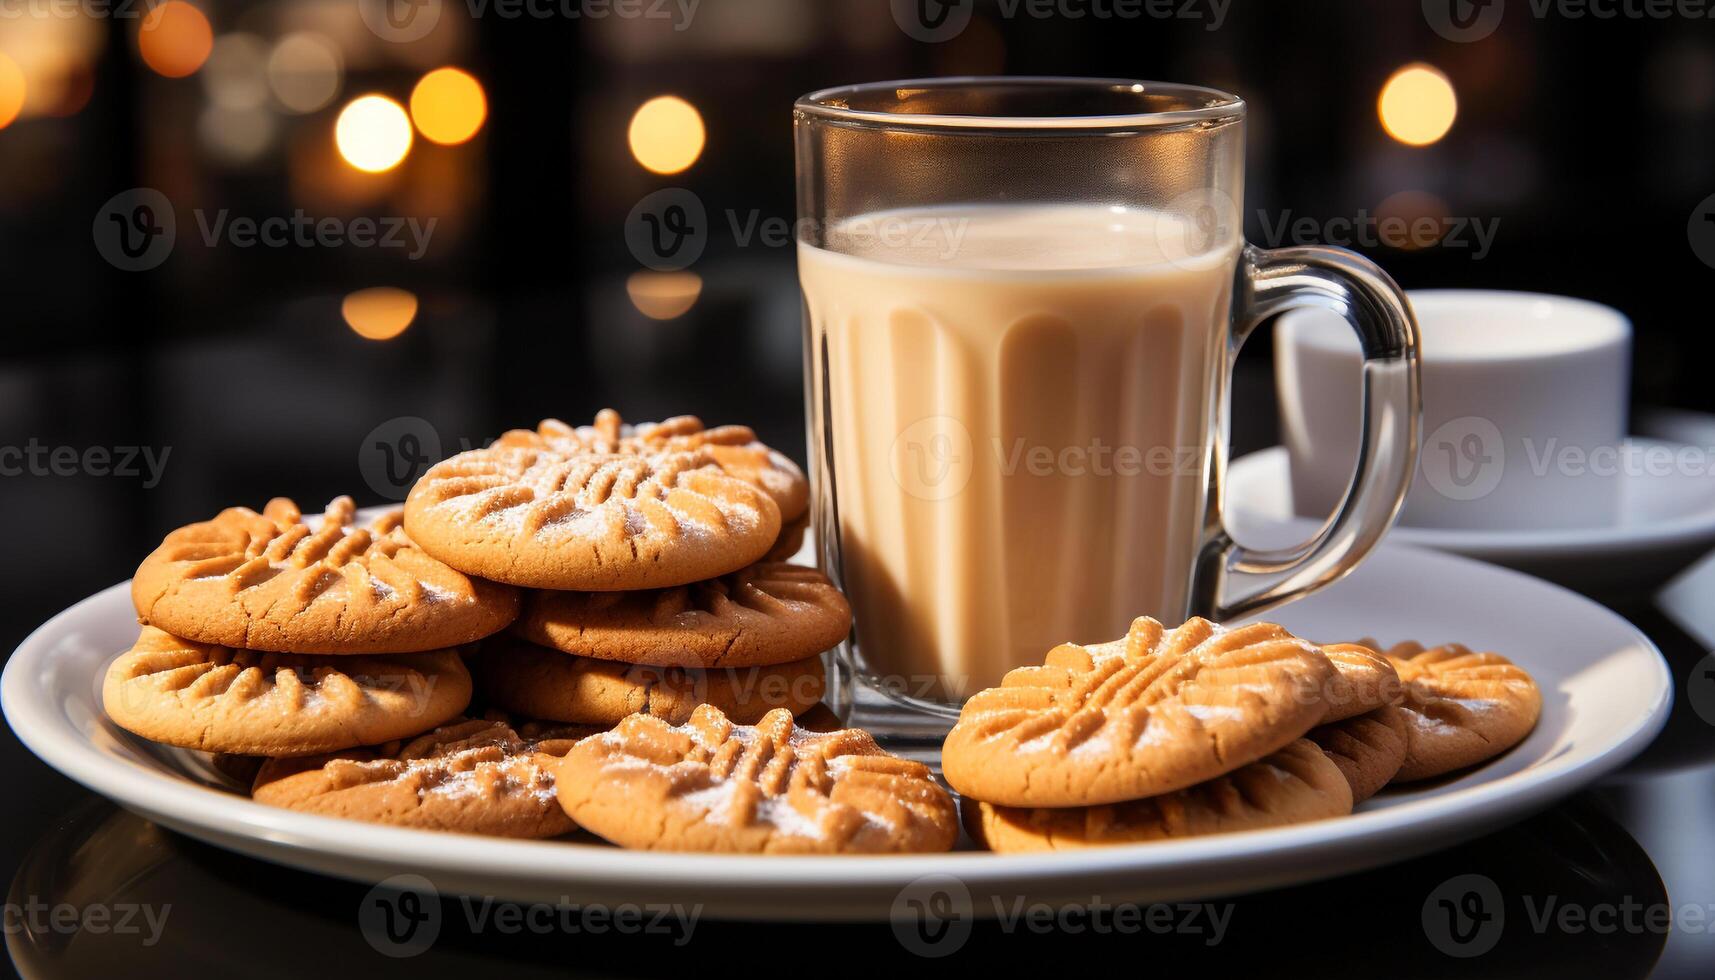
1524 410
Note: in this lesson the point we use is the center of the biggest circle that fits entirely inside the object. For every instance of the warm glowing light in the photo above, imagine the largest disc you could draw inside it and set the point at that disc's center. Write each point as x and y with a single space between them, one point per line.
304 71
11 90
236 135
1417 105
236 75
667 134
1412 220
373 133
664 295
381 313
448 106
175 39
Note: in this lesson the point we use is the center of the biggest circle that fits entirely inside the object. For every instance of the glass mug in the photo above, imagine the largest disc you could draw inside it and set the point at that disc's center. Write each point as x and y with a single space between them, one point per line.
1023 297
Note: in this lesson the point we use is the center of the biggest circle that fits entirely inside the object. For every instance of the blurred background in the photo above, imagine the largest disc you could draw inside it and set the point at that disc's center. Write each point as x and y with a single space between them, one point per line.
303 247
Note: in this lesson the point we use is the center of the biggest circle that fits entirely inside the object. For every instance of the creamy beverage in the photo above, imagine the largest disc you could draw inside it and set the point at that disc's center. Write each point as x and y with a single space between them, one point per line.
1017 405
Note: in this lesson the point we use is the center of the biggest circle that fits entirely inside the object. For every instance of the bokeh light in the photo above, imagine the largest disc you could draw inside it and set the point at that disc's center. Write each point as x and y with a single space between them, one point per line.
379 313
305 71
373 133
236 74
448 106
664 295
667 134
1423 216
237 135
1417 105
175 39
11 90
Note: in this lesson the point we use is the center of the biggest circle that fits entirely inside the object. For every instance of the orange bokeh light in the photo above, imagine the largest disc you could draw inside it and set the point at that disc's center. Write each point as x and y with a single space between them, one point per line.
175 39
11 90
379 313
448 106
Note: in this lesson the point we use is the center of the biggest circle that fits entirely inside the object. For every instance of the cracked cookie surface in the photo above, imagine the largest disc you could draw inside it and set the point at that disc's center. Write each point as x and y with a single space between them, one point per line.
216 699
1155 712
711 785
589 521
519 676
1461 707
768 613
734 449
1363 681
471 776
269 581
1297 784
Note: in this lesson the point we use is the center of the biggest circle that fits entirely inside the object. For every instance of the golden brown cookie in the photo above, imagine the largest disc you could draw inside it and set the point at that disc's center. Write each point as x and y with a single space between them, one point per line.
734 448
1157 711
763 614
521 677
791 540
1363 681
269 582
1460 707
471 776
1369 749
710 785
589 522
216 699
1297 784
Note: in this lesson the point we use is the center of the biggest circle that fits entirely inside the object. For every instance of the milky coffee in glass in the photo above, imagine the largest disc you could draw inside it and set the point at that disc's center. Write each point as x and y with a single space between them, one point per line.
1018 336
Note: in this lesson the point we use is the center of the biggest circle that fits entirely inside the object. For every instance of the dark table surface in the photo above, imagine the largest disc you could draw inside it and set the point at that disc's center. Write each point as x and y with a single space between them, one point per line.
1617 881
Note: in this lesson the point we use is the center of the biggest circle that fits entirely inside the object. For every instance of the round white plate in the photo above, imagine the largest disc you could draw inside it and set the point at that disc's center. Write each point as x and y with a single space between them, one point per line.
1606 693
1666 522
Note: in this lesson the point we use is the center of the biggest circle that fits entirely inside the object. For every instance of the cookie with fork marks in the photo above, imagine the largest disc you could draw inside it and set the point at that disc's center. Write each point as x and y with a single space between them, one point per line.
589 522
711 785
271 582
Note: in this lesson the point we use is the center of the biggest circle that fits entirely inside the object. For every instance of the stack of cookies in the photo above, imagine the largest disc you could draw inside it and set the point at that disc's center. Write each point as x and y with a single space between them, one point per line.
648 554
1201 729
315 652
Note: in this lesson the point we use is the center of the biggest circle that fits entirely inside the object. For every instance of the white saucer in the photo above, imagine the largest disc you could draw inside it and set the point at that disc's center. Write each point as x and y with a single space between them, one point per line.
1666 523
1606 693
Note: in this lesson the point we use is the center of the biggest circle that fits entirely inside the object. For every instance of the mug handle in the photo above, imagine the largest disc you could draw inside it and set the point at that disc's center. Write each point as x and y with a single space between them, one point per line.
1231 579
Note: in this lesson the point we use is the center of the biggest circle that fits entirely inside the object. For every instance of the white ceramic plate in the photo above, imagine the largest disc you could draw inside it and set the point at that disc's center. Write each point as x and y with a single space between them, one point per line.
1606 693
1666 522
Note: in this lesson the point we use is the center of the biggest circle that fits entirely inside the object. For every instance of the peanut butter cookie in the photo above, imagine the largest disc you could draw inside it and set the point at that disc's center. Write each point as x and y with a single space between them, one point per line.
216 699
521 677
734 448
764 614
1460 707
1155 712
1363 681
1294 785
710 785
589 522
269 582
1369 749
472 777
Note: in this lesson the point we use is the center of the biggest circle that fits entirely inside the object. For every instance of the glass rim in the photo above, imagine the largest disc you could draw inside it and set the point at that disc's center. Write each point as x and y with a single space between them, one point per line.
1201 104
